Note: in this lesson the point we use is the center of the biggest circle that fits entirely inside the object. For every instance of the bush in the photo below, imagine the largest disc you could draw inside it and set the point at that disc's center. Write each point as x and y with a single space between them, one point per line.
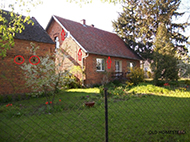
96 85
136 75
117 91
72 82
160 83
149 74
101 90
110 85
116 82
129 84
174 83
187 82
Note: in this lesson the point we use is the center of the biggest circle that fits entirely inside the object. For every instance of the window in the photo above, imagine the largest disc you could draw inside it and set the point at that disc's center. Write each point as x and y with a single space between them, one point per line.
118 68
100 64
56 42
130 65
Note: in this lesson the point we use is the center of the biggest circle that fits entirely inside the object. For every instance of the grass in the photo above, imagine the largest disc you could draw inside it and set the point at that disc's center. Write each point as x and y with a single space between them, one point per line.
149 114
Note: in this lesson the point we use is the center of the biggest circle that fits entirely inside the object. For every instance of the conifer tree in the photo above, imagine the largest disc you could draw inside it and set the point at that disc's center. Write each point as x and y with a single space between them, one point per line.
164 61
138 23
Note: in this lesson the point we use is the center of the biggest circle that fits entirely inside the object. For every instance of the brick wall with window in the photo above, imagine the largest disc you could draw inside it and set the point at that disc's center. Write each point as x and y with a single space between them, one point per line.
96 66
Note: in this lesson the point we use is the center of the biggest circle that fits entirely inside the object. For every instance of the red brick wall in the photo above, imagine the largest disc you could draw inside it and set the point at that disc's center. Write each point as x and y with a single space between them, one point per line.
96 77
12 71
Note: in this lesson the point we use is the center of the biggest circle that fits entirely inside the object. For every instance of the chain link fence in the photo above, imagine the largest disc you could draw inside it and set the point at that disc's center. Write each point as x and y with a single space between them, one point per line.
140 117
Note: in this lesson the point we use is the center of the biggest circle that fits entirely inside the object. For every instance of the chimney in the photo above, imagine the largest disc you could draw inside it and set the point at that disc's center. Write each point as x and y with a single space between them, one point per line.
83 21
92 25
34 18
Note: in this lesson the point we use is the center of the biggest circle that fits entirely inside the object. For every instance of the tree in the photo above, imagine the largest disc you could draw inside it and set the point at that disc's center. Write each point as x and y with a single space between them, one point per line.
164 61
183 65
15 24
47 76
138 23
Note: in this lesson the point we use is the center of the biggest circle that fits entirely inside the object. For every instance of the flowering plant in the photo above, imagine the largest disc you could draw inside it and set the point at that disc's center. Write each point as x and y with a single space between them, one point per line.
8 105
47 76
166 84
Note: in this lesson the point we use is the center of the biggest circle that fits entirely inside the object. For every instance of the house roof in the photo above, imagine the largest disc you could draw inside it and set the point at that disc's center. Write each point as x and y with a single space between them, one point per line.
97 41
31 32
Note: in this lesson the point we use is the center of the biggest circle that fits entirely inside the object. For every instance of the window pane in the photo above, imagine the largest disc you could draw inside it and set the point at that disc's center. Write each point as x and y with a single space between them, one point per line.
103 64
98 64
117 65
57 42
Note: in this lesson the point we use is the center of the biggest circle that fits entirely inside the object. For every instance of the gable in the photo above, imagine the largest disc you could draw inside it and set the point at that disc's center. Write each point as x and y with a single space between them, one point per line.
31 32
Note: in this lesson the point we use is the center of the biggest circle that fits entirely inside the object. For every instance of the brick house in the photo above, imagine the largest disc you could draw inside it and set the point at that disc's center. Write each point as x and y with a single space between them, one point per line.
95 45
10 73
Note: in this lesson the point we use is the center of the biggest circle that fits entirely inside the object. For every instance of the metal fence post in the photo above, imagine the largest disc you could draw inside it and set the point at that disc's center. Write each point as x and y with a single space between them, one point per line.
106 115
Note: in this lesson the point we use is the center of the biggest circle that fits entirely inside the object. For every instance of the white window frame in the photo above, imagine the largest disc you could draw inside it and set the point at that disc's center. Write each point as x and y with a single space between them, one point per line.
102 62
120 66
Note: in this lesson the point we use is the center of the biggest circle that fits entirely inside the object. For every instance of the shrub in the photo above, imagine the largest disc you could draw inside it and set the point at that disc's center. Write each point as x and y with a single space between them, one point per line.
187 82
117 91
96 85
110 85
174 83
72 82
149 74
160 83
129 84
116 82
101 90
136 75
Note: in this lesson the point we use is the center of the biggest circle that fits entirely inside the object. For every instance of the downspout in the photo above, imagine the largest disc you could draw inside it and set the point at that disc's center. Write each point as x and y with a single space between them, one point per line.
83 67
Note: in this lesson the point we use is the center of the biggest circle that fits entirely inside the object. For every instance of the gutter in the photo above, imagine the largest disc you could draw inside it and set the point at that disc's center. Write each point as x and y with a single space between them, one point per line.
83 67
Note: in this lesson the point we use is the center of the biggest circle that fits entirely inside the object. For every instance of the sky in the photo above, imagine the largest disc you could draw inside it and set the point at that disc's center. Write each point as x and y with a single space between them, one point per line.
97 13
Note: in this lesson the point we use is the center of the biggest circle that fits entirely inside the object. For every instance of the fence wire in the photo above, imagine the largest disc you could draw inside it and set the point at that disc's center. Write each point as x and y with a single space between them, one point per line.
141 117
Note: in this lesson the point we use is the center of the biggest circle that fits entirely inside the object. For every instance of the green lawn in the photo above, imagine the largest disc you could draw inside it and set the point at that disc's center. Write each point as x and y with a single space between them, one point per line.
143 116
